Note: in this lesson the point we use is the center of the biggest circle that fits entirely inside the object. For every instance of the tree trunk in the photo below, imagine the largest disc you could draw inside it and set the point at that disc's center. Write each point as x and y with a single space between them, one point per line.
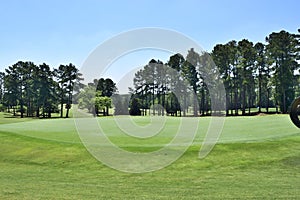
38 111
22 109
227 103
153 100
14 110
249 104
184 106
259 94
268 101
244 100
43 111
28 108
284 101
107 111
236 99
67 113
61 109
163 101
49 113
195 106
203 102
231 102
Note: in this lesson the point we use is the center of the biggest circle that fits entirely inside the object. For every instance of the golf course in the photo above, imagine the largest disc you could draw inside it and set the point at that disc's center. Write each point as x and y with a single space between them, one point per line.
256 157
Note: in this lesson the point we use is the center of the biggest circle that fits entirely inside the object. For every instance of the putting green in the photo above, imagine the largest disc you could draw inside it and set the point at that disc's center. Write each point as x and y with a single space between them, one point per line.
236 129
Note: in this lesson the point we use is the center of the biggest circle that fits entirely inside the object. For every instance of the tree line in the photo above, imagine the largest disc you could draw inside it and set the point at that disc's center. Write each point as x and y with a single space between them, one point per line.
37 90
31 90
254 76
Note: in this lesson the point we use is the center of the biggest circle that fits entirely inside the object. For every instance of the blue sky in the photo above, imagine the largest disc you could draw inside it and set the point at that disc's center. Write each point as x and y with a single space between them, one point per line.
60 32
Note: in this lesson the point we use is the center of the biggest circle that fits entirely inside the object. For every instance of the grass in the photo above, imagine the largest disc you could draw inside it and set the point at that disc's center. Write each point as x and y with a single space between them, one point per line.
256 158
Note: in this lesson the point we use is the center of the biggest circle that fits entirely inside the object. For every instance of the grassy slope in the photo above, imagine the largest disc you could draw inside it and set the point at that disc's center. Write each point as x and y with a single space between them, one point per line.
258 157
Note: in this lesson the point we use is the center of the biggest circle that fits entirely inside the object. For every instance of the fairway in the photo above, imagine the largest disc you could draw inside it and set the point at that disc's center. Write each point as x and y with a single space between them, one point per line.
256 157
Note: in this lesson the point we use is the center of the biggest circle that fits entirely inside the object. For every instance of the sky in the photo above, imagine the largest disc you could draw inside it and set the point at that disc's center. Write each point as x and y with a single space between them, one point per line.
63 31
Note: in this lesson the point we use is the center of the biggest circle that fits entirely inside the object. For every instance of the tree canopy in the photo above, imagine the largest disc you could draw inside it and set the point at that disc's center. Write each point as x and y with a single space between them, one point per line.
255 75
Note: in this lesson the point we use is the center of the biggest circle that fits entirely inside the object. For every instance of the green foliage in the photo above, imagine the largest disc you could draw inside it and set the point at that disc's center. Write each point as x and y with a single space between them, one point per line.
2 108
103 103
261 75
36 90
135 107
67 76
106 86
283 53
121 104
173 105
91 99
2 75
254 75
87 98
30 86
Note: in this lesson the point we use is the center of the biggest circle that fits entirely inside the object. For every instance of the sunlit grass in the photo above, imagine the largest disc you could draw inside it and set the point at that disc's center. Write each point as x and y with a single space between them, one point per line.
257 157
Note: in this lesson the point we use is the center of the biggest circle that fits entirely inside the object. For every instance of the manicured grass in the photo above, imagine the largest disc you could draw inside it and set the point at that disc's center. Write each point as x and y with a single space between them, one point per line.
256 158
7 118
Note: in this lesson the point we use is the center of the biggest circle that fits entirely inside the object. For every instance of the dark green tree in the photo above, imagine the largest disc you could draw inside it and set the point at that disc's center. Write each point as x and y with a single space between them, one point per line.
222 58
66 76
86 98
263 76
246 71
173 105
177 62
107 88
283 52
191 75
46 92
121 104
15 85
135 107
2 74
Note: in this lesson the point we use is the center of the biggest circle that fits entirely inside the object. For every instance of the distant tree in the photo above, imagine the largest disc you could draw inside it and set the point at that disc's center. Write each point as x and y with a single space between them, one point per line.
211 93
150 86
173 105
46 93
2 74
263 76
135 107
33 84
86 98
11 89
66 75
107 88
92 100
190 73
78 86
246 69
235 84
221 57
120 103
15 84
177 62
283 52
103 103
